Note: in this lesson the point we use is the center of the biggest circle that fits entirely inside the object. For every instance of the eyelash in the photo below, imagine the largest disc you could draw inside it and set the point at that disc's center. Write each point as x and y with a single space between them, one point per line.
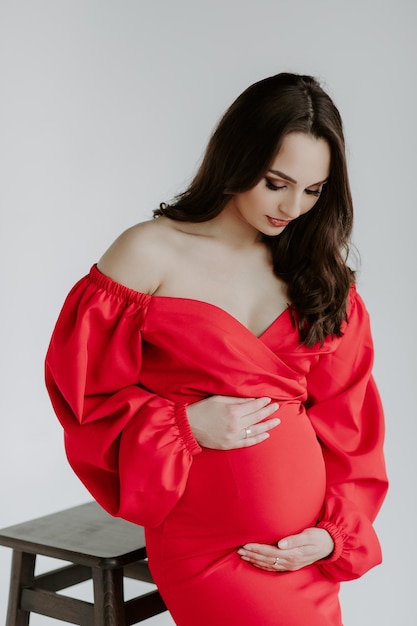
273 187
270 185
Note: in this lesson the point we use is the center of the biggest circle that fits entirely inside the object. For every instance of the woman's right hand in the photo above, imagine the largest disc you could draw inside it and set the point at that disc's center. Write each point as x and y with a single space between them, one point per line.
225 422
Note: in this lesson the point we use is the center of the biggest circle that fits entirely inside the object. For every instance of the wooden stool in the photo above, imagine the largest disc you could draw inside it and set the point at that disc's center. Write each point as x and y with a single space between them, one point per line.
100 547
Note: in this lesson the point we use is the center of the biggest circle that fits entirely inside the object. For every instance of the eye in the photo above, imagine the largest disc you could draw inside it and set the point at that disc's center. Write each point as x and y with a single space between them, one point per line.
312 192
273 187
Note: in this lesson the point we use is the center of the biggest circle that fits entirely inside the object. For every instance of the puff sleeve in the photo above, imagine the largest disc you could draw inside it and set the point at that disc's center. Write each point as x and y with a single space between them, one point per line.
132 449
345 409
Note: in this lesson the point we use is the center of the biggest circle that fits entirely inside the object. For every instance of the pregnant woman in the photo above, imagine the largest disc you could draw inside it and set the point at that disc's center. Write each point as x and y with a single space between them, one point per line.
213 375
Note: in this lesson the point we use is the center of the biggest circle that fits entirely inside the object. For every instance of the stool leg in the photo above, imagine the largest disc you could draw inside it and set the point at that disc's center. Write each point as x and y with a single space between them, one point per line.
109 607
22 573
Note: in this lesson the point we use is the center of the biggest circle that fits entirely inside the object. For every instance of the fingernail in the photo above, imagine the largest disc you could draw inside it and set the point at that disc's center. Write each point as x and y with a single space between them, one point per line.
283 543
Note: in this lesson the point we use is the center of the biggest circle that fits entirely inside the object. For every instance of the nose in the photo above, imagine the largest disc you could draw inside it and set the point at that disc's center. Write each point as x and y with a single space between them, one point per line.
290 207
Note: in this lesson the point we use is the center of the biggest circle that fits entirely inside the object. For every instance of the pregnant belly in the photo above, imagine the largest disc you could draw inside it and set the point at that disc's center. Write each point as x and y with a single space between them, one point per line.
260 493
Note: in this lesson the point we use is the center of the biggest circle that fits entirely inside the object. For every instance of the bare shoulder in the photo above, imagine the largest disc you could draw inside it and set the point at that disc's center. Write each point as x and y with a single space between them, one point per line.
138 258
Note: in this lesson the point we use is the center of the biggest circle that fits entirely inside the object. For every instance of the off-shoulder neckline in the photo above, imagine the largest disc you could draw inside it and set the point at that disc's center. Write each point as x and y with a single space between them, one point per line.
130 295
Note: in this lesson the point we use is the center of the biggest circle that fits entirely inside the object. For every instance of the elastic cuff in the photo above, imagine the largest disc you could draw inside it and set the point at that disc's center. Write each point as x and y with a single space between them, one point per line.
186 433
338 540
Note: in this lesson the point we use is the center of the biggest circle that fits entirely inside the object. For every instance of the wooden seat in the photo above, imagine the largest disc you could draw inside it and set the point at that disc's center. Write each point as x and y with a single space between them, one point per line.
98 547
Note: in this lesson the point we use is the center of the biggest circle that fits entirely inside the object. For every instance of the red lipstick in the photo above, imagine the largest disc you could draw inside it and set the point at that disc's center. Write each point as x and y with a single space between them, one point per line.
277 223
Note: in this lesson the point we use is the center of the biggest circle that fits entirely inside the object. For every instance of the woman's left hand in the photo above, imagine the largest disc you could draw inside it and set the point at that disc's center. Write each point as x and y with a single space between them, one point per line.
291 553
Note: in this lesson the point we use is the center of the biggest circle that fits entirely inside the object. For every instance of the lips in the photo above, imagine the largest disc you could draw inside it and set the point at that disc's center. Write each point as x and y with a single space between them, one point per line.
277 223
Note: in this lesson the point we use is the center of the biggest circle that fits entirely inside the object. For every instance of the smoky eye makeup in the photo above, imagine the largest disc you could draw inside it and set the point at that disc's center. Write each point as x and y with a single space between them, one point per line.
273 186
316 192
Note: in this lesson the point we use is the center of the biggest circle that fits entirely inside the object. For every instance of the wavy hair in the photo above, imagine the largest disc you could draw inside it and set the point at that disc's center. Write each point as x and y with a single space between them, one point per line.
310 254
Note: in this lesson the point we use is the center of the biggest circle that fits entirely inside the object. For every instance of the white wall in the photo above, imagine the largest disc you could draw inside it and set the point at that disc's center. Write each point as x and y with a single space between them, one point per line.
105 108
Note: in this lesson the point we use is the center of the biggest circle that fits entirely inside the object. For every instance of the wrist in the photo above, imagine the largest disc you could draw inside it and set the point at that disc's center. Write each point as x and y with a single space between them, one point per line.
336 537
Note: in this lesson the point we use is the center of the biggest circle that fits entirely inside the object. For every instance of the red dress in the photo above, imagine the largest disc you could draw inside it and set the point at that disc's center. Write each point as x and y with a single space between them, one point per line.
120 370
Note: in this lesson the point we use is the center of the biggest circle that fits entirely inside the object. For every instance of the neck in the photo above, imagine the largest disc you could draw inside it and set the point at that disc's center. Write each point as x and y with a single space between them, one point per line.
230 228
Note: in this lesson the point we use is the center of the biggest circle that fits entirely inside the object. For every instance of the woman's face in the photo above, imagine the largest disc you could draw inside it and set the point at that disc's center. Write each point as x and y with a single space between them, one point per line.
290 188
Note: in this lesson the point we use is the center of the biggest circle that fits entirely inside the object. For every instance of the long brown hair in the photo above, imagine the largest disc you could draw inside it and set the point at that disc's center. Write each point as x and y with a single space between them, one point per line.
310 254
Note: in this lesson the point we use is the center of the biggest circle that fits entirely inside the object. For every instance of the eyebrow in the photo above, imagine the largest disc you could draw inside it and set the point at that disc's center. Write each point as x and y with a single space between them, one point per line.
291 180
